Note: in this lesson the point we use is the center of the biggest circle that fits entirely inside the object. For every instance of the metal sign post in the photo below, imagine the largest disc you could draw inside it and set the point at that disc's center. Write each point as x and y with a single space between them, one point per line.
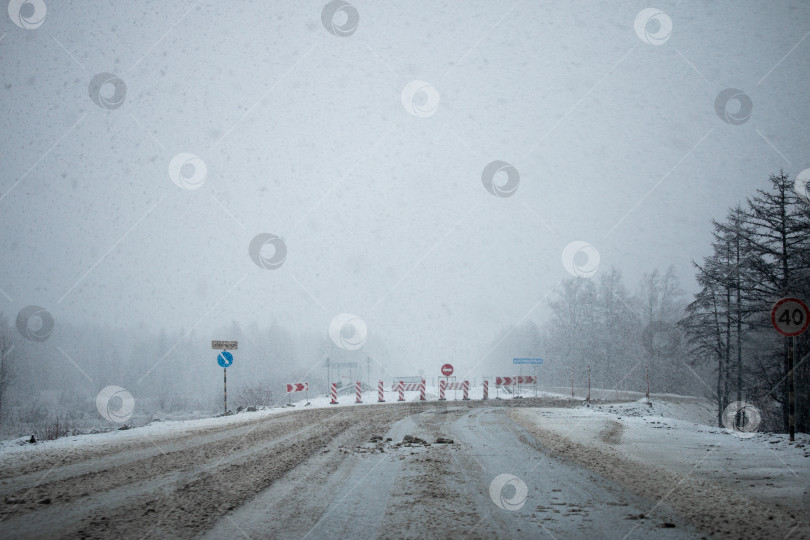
791 390
327 374
534 362
790 317
225 359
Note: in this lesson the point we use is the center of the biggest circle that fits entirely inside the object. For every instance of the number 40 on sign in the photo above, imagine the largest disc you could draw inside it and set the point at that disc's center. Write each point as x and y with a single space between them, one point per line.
789 317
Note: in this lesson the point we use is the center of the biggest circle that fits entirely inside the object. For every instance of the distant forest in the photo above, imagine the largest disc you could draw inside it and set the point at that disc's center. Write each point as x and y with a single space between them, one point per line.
718 343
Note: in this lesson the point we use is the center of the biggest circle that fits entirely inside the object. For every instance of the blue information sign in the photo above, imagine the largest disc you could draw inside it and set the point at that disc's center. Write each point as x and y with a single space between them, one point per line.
533 361
224 359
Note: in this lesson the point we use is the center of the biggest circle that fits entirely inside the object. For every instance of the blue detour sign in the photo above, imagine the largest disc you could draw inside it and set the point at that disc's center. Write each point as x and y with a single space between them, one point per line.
530 361
224 359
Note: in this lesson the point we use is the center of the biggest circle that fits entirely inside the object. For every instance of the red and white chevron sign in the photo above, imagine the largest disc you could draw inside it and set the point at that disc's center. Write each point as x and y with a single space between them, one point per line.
511 381
297 387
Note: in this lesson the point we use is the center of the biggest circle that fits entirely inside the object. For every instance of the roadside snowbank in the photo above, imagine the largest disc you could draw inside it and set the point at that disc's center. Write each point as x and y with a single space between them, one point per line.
674 437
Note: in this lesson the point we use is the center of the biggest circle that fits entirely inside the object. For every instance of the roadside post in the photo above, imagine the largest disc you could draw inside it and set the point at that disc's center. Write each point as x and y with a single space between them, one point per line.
790 317
225 359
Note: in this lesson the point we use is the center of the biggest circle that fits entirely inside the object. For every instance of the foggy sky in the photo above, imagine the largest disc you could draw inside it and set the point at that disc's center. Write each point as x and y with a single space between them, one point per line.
384 214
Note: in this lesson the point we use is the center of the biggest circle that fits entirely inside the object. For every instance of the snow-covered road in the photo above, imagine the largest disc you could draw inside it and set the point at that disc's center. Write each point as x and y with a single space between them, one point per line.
443 490
413 470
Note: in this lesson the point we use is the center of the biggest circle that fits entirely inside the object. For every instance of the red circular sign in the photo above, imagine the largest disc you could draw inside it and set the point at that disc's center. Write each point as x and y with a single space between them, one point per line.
790 316
447 370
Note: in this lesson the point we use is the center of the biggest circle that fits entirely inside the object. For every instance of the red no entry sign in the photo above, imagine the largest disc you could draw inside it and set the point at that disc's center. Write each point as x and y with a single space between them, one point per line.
790 316
447 370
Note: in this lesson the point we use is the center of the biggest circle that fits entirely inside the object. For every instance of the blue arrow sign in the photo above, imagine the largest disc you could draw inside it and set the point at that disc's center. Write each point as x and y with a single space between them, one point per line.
534 361
224 359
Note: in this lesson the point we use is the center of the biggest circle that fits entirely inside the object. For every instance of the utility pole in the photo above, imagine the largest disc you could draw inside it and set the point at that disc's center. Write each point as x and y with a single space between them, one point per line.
589 383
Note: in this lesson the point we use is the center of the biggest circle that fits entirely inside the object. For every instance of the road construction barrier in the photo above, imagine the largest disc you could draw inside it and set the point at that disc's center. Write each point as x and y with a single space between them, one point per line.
442 385
409 387
297 387
380 392
358 392
512 381
401 388
422 390
333 392
465 386
486 389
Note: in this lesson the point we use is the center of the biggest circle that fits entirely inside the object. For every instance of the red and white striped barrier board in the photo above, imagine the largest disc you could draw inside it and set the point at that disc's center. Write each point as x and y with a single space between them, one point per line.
422 390
456 385
466 387
380 392
410 386
401 387
511 381
333 392
442 384
297 387
358 391
486 389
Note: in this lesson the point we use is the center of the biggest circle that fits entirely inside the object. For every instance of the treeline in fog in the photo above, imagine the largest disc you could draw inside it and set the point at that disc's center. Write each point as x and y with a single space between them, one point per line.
717 343
623 335
761 253
53 384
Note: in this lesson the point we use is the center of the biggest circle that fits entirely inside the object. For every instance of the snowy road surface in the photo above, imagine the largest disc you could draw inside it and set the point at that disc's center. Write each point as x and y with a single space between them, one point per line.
335 473
442 490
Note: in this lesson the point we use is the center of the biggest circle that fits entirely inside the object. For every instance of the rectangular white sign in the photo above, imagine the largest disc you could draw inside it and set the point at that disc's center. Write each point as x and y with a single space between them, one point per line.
224 345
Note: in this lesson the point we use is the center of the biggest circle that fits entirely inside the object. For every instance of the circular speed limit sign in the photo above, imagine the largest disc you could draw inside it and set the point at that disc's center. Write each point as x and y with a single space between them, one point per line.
790 316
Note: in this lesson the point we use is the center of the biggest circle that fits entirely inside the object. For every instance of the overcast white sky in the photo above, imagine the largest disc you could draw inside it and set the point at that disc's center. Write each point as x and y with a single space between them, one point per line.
304 134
